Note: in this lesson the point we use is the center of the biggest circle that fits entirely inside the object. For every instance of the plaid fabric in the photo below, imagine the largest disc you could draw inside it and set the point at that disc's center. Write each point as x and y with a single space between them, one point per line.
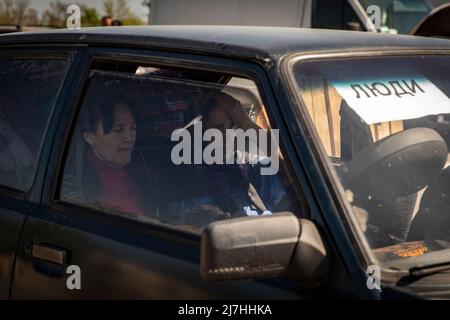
163 125
163 100
167 103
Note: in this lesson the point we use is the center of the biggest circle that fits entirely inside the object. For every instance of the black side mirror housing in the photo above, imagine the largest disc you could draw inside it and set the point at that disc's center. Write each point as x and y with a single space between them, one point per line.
263 247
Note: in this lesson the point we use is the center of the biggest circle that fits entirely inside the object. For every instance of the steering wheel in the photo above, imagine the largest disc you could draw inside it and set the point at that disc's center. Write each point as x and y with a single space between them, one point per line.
398 165
392 169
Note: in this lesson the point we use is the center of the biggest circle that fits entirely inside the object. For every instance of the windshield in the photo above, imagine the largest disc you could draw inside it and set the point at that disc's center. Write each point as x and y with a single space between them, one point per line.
385 125
402 16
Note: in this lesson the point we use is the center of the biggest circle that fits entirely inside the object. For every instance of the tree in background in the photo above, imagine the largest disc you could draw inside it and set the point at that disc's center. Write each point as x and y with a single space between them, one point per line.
14 12
20 9
6 16
119 9
89 17
18 12
56 15
31 18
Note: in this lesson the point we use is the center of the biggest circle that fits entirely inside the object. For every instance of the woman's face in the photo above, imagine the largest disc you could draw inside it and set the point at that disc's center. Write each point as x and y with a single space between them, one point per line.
115 147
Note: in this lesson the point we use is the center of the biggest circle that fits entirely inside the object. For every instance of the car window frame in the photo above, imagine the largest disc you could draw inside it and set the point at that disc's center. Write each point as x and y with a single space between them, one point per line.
229 66
357 237
30 52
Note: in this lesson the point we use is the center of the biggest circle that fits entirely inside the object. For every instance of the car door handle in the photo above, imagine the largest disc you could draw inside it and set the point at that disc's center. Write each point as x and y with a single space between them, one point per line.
49 253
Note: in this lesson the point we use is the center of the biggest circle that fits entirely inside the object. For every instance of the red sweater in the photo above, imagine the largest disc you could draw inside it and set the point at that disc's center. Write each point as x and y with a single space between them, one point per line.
117 189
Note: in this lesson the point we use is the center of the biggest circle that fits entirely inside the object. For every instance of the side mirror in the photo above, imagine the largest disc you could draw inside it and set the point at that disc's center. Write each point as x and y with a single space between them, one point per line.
263 247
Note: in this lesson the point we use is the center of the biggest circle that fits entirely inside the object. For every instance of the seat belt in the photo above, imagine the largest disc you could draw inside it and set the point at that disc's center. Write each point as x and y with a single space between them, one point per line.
255 198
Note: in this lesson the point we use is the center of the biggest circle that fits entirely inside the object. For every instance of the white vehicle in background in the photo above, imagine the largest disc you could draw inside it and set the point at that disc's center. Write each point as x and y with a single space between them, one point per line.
417 17
396 16
283 13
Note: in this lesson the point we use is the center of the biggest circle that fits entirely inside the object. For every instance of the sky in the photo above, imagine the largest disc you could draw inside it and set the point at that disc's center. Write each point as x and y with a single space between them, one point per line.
135 6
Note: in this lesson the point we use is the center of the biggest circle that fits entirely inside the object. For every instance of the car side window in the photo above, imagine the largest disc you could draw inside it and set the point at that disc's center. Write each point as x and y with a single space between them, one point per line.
28 92
164 145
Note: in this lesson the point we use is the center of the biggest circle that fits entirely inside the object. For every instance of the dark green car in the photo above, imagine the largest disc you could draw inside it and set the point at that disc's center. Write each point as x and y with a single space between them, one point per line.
96 201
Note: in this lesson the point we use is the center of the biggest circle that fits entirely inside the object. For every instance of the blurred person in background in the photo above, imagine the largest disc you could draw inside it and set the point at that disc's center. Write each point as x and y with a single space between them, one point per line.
107 21
116 22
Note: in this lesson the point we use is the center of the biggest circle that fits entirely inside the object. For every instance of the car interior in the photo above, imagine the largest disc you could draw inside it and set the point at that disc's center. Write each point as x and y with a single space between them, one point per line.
394 173
165 100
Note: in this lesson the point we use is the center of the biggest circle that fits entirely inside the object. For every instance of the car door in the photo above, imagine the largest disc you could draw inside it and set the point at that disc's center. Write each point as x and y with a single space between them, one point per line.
32 80
76 247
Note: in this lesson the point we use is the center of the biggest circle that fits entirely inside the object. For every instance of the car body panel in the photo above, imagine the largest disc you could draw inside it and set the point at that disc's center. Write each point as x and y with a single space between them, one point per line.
16 206
257 43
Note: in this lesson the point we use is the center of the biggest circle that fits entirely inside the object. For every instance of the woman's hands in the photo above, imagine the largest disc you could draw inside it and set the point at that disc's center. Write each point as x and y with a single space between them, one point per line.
234 109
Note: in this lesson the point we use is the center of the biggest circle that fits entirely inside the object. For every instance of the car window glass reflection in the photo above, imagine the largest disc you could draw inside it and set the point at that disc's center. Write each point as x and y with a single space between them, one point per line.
28 92
125 156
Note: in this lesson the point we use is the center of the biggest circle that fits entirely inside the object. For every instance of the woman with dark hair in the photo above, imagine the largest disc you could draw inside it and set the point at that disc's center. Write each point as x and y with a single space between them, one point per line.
110 179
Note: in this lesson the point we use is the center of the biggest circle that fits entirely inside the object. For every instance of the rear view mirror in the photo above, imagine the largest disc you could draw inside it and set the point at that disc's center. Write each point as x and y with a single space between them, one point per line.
262 247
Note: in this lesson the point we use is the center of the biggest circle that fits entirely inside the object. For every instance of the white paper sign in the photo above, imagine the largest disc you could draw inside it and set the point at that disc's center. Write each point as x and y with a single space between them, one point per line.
382 100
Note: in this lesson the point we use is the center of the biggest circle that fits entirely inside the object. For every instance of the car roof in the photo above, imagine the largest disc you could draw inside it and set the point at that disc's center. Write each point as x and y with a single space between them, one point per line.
261 43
